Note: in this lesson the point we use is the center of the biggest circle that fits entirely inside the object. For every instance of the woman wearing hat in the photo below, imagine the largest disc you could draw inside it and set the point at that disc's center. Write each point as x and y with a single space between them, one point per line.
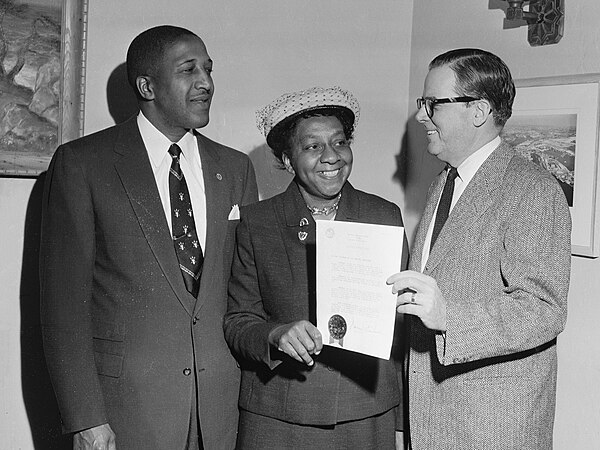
295 392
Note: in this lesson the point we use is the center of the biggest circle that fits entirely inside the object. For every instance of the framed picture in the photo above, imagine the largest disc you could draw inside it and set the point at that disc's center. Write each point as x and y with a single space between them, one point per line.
42 72
555 125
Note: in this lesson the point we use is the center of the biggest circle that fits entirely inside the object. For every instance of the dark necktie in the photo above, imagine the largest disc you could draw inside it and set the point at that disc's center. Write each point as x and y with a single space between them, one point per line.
187 245
444 205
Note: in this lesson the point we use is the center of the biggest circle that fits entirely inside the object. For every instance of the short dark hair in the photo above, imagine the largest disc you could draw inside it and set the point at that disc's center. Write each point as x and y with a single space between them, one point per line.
148 48
481 74
280 137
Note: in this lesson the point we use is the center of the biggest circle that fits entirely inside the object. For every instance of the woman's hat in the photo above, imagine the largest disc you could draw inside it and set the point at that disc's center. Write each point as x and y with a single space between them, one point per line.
288 106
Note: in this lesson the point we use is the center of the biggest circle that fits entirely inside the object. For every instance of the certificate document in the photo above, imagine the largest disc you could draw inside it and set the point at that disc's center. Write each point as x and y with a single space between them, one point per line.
356 309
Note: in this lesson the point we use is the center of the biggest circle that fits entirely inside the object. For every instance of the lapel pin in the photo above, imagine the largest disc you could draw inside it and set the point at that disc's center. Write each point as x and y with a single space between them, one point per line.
219 177
302 235
303 222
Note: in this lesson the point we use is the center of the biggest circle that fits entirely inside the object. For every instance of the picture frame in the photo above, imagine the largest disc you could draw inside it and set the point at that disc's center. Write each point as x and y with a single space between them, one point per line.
555 124
42 83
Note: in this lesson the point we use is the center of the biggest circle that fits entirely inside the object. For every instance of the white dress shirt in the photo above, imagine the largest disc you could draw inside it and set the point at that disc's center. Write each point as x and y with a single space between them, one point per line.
157 146
466 172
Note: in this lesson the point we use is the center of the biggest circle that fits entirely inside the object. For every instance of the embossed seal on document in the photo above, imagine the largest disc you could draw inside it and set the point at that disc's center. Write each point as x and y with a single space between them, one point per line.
337 326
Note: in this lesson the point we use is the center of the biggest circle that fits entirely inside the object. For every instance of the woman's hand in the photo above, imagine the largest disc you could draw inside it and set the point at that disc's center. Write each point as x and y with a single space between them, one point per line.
299 340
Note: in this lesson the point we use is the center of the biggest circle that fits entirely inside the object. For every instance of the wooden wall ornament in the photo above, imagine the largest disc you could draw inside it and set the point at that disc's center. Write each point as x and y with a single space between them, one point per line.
549 25
545 19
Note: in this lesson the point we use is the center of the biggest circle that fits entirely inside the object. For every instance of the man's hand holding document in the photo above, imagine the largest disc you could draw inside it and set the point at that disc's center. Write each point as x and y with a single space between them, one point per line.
356 309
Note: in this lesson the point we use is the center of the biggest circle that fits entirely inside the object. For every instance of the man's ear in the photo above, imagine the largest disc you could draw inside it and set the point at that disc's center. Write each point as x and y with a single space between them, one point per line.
144 87
483 112
287 163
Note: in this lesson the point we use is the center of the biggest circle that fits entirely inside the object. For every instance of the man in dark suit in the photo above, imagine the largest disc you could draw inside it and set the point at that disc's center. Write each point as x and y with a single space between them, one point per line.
133 327
490 292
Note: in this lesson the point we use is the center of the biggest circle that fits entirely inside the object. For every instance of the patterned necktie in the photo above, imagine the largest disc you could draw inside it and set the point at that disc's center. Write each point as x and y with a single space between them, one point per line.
444 206
187 245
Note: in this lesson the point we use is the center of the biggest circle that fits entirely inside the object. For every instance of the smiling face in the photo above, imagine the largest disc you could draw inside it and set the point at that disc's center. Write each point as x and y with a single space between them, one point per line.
179 91
321 159
451 133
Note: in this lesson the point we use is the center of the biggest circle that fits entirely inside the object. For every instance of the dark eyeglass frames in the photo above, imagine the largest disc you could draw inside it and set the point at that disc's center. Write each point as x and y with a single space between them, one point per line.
430 102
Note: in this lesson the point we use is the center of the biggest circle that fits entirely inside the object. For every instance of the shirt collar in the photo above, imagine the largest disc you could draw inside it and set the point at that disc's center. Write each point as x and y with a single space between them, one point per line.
468 168
157 144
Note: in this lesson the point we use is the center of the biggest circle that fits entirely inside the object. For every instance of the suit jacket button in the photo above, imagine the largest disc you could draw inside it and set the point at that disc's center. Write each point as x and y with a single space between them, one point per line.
187 371
194 320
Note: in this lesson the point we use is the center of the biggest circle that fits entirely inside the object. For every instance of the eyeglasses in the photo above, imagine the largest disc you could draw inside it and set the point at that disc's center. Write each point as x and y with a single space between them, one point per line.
430 102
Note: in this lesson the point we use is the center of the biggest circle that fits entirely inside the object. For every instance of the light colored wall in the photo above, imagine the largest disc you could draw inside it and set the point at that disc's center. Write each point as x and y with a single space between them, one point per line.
440 25
265 47
261 49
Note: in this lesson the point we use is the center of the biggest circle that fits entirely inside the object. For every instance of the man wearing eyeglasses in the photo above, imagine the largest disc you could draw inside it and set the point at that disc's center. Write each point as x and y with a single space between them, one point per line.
488 280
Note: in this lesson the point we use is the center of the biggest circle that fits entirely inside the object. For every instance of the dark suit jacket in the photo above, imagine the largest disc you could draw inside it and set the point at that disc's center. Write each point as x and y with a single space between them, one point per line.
121 332
272 283
502 263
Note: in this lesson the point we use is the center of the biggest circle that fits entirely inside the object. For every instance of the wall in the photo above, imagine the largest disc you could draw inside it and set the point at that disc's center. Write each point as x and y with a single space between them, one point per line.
481 25
261 49
270 47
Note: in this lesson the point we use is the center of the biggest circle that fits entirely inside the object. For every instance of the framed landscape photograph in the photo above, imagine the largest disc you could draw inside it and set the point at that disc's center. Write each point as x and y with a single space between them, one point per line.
555 125
42 70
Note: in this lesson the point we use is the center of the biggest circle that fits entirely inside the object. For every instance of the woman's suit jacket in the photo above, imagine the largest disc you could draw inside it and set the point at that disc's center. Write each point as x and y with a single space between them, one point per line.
272 283
121 333
502 264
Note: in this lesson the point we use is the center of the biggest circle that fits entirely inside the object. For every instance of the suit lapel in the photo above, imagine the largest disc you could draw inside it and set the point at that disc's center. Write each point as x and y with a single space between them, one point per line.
215 191
301 229
217 187
296 216
435 191
300 232
349 209
299 239
473 203
133 167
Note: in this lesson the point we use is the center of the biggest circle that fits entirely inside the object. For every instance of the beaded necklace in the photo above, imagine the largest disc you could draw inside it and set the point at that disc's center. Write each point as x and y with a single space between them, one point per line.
326 210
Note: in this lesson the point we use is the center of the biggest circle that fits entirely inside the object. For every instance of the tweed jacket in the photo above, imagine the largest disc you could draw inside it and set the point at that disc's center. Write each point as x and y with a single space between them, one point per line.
502 263
272 283
121 333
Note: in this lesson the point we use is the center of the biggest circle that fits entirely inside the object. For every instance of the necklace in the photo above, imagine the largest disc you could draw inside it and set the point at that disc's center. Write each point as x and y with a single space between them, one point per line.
327 210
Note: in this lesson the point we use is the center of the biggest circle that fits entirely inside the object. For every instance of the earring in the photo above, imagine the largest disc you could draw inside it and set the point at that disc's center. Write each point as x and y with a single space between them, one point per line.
288 166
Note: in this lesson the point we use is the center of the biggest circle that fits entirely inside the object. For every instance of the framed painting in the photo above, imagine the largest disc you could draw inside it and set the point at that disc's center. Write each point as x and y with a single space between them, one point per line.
555 125
42 80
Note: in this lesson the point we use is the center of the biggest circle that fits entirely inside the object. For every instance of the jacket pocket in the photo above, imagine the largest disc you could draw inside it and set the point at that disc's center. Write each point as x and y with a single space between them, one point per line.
108 364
